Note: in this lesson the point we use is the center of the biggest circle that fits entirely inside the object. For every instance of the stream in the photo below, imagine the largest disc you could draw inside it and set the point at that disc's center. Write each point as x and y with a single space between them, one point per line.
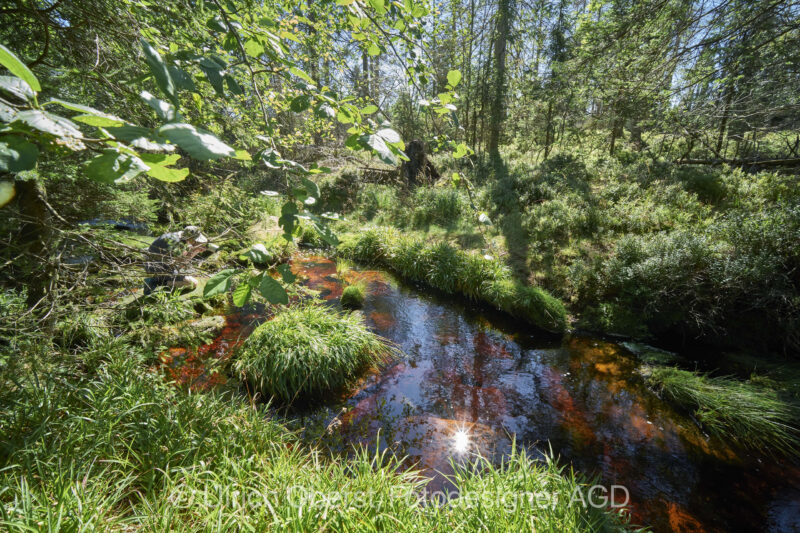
474 379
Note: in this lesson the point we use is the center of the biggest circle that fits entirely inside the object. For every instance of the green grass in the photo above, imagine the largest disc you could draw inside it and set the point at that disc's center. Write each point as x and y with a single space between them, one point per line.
308 350
755 417
120 449
353 295
455 271
343 266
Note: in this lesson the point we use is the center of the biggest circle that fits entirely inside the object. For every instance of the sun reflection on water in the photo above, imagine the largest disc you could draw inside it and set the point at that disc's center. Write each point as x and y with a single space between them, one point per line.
461 441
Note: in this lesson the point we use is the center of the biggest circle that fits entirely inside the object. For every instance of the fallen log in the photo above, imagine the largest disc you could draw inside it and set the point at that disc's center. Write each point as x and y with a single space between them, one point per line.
742 162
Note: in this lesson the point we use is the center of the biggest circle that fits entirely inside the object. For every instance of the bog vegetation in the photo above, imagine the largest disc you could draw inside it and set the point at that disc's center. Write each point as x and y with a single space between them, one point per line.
624 168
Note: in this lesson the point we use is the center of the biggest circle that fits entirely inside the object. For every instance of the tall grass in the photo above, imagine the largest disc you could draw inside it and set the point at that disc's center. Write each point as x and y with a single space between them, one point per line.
753 416
547 487
123 450
308 350
455 271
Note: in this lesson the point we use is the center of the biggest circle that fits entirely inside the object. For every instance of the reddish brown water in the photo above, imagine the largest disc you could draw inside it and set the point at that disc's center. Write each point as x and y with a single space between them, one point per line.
474 379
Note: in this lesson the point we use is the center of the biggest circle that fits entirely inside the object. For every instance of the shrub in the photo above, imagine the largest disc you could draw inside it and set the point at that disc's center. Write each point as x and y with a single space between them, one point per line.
730 284
308 350
705 182
337 192
559 176
307 235
224 206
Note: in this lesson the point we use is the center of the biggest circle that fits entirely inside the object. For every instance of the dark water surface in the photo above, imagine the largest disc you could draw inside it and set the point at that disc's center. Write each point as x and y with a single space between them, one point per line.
473 379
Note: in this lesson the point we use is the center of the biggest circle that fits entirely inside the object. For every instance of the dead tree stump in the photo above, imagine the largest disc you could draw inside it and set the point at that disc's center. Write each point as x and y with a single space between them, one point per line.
418 168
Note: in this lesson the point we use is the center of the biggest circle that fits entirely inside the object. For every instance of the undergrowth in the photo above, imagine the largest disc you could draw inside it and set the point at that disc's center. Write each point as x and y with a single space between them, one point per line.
121 449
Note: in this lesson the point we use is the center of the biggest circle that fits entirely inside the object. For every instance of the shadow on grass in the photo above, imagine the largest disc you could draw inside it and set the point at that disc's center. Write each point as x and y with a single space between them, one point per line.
509 218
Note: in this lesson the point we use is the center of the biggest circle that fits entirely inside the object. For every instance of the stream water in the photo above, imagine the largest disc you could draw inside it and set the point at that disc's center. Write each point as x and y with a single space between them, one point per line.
473 379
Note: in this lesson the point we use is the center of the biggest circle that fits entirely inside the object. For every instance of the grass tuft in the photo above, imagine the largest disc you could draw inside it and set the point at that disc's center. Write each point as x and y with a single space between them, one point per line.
353 295
753 416
455 271
308 350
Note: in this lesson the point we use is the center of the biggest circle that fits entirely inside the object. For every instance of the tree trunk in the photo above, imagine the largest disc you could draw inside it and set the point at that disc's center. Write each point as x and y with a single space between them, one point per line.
725 113
34 235
498 105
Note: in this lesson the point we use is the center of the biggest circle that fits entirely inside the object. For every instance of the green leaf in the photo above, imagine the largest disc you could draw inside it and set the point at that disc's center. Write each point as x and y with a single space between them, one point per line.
461 151
370 109
142 138
18 68
198 143
85 109
230 43
299 193
158 164
272 291
213 73
17 154
389 135
300 103
182 79
302 75
374 49
325 111
378 145
286 273
253 48
259 255
160 72
311 187
163 160
98 121
453 77
288 219
115 167
164 110
484 219
233 85
243 155
17 87
7 192
169 175
353 142
49 123
7 113
378 5
216 23
455 179
219 283
241 295
345 116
